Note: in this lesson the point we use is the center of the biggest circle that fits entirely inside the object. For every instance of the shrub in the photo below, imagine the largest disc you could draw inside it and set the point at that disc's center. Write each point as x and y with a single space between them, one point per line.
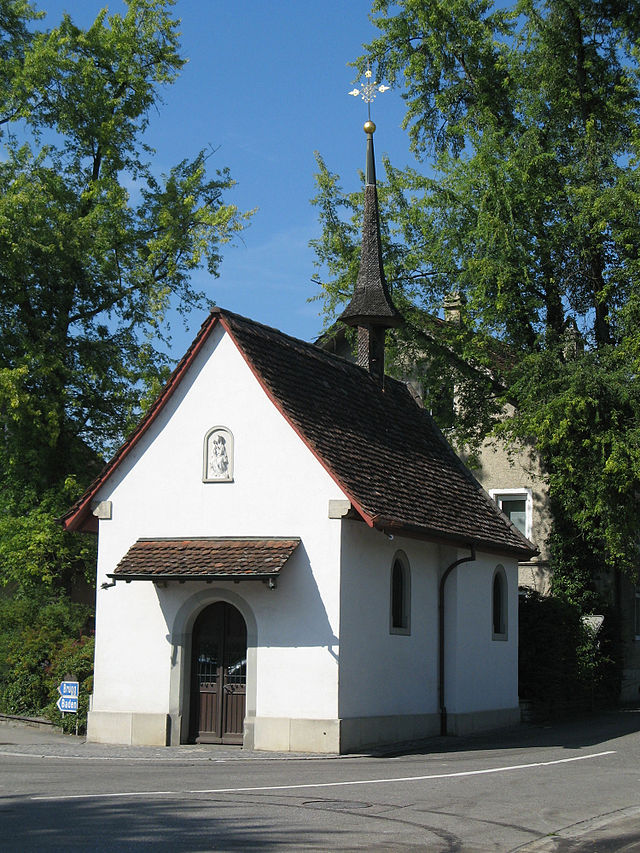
71 661
564 666
42 640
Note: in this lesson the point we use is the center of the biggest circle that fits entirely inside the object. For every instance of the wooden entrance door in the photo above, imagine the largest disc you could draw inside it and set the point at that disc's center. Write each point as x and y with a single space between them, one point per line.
218 675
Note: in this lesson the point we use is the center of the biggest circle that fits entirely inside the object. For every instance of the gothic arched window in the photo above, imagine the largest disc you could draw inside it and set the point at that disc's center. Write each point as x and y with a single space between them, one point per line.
400 605
499 604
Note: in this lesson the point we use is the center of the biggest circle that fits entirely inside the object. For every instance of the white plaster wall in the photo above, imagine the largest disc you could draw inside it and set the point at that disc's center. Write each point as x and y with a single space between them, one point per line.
382 673
279 489
386 674
481 672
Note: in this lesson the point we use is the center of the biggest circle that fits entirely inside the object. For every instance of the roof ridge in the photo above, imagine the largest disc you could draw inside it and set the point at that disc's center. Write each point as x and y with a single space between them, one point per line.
226 312
309 346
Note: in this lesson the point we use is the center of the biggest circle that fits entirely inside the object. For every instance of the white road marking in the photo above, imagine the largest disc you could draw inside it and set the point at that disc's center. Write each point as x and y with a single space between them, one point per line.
460 774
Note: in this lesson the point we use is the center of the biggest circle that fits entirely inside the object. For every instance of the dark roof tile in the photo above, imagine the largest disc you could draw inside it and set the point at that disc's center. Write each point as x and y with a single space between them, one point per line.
216 557
383 449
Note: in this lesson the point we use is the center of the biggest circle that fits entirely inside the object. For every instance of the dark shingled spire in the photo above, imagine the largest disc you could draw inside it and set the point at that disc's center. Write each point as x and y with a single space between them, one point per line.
371 308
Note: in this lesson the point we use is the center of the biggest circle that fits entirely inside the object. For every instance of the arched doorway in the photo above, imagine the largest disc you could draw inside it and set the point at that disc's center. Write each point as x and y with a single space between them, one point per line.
218 675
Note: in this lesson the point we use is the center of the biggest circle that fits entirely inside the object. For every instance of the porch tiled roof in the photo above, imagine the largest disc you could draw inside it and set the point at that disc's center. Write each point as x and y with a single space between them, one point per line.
203 558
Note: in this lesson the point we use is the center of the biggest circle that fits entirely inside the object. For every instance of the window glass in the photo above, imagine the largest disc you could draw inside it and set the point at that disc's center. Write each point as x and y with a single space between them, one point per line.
499 604
516 511
400 603
397 596
517 505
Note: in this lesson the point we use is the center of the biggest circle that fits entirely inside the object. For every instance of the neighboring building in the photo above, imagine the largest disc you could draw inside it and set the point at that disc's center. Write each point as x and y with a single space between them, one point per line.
516 483
515 480
291 556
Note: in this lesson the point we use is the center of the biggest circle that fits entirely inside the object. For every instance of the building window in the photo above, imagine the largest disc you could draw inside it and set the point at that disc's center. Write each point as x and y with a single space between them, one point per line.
517 505
499 604
400 599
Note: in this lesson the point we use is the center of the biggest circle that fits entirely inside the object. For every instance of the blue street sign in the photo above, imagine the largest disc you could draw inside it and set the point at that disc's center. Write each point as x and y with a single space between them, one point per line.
68 701
68 704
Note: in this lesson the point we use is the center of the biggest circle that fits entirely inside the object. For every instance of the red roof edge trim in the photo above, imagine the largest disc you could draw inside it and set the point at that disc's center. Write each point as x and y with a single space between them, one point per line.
366 517
77 517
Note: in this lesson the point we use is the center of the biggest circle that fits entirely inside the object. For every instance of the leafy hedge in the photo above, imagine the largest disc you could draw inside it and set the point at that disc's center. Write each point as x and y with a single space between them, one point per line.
564 666
44 641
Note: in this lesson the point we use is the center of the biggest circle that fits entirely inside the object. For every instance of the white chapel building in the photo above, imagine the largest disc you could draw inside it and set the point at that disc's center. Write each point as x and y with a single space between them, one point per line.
290 555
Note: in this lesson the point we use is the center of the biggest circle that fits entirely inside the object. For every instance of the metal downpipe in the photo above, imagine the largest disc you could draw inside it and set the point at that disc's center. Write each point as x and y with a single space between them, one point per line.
443 580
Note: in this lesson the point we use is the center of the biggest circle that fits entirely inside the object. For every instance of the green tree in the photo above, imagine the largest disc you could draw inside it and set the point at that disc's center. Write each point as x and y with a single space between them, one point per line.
529 120
95 246
43 640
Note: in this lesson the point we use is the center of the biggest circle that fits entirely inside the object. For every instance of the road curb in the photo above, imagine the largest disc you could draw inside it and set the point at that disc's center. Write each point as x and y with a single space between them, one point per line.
581 832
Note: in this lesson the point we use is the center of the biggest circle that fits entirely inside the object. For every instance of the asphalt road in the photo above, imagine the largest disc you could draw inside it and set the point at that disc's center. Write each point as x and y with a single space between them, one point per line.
565 788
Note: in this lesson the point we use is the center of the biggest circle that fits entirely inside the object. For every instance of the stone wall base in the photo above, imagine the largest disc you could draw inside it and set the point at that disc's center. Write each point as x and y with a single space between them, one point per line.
284 734
356 734
482 721
129 728
360 733
630 687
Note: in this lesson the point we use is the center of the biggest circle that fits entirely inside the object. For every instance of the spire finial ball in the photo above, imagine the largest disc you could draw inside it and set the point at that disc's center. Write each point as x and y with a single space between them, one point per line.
369 127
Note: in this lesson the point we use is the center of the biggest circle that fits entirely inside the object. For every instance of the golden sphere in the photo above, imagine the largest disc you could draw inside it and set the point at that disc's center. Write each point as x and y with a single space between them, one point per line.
369 127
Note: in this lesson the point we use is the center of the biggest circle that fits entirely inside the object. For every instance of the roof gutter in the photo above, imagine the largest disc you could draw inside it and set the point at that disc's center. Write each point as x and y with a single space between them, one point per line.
441 636
385 523
182 578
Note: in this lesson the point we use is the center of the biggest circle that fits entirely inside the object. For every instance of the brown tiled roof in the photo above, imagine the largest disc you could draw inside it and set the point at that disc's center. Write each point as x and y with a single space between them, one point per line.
219 557
381 448
385 451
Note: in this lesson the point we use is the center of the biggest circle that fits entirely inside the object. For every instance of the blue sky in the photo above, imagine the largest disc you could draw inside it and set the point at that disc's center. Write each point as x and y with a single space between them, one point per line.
266 84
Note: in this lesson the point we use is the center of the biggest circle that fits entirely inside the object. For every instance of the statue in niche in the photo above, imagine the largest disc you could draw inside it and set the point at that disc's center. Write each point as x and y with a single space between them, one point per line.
218 455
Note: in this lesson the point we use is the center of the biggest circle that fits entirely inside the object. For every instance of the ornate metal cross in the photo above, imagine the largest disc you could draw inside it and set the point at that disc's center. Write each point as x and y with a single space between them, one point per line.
368 90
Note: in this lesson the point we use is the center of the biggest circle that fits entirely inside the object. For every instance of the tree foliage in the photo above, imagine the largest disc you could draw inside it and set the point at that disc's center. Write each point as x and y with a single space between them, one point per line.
44 640
565 665
529 120
95 246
